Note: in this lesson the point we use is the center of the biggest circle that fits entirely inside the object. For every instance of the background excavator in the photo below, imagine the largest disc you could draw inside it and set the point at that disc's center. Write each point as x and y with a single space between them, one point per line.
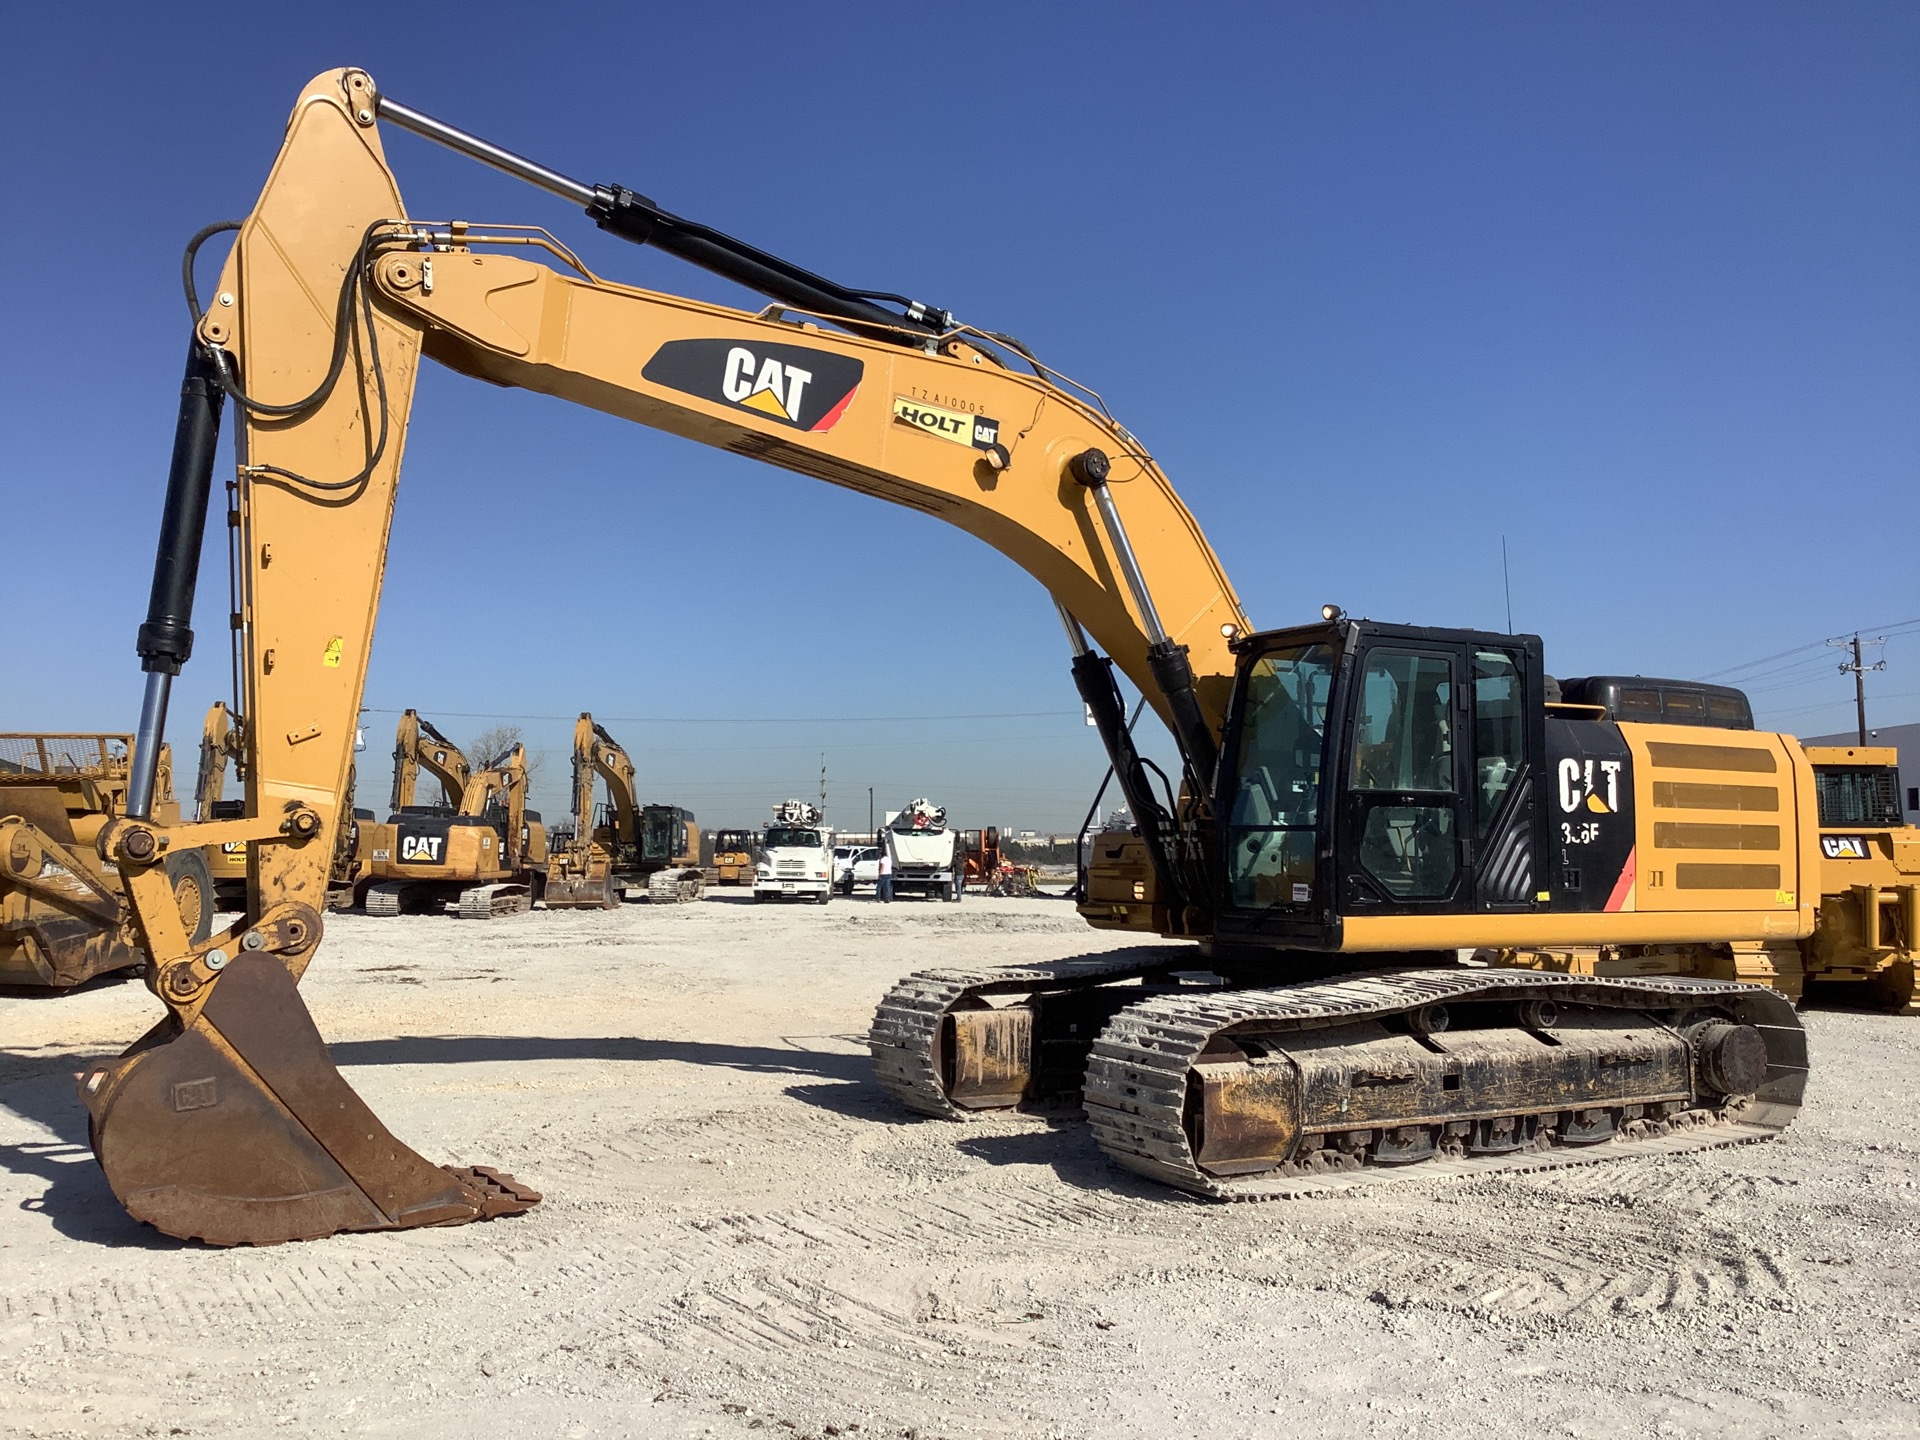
622 842
63 912
1356 803
221 740
481 854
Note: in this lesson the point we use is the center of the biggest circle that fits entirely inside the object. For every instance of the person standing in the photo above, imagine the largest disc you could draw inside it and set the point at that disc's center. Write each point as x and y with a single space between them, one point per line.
883 887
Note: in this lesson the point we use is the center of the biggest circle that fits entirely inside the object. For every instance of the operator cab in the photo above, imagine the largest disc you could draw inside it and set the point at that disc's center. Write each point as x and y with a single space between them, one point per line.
1378 769
1370 769
666 834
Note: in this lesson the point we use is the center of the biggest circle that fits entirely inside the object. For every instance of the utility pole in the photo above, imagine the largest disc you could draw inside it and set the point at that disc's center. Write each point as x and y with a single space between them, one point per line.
872 834
1858 668
823 786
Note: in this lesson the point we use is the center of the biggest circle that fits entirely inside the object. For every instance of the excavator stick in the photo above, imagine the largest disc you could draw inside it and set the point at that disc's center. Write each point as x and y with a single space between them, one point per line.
235 1128
228 1122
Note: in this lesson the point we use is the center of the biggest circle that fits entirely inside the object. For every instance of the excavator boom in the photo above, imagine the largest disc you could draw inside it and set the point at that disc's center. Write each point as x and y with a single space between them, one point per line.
417 746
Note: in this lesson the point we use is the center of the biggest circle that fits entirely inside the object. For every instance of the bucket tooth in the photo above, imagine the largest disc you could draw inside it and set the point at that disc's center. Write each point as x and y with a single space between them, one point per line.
237 1129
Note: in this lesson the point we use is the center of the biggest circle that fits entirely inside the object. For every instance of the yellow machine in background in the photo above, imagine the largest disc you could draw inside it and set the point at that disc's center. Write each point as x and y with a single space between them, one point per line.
622 842
732 862
483 853
1868 938
221 740
63 912
1355 803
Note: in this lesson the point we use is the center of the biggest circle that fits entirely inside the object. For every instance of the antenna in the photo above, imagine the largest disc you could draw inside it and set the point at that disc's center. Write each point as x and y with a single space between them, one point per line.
1506 583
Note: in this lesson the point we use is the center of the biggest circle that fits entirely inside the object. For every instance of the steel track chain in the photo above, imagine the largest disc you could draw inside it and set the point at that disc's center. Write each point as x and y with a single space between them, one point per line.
905 1036
1136 1081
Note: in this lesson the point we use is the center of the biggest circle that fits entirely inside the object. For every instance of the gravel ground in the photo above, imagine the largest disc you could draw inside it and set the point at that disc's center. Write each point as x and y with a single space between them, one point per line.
742 1235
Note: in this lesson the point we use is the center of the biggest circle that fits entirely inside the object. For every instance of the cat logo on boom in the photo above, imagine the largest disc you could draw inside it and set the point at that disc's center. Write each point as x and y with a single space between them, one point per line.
807 389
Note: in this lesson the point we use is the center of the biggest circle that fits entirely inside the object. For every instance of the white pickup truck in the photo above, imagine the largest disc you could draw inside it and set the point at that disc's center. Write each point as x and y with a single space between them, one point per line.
855 865
927 859
796 856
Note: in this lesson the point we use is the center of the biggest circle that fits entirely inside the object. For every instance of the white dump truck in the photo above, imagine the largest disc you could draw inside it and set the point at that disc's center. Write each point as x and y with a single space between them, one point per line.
926 854
796 856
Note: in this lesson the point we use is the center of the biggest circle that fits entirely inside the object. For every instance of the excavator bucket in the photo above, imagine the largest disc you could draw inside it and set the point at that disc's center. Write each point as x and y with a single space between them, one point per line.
236 1129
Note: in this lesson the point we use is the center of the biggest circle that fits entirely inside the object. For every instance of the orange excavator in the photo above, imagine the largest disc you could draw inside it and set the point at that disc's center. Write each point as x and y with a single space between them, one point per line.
1356 803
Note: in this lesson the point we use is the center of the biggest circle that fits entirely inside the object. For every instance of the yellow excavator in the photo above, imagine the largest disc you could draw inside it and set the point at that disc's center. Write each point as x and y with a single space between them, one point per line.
622 843
482 854
1357 804
221 740
64 917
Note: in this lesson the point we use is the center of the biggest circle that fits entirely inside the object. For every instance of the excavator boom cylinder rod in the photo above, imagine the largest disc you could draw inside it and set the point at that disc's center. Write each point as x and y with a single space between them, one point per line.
632 216
1076 637
1172 670
166 639
474 147
1092 473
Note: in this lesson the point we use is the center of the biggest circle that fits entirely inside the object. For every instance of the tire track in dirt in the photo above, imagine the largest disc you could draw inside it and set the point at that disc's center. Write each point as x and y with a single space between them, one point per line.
891 1298
1574 1245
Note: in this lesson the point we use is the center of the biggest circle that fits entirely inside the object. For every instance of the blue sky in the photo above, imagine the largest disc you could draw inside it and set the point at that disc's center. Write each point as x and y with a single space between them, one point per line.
1631 285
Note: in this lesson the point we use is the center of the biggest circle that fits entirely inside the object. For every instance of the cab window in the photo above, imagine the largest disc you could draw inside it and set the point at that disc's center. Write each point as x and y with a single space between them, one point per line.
1404 737
1402 774
1499 735
1275 808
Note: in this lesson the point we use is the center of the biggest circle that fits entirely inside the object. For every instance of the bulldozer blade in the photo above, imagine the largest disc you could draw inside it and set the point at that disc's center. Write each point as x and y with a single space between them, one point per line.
236 1129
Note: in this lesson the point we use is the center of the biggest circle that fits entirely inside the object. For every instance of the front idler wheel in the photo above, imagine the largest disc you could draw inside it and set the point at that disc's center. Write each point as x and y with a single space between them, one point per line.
1729 1059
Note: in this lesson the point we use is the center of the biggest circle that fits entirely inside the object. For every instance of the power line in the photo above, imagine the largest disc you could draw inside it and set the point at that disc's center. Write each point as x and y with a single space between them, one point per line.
1798 649
1833 705
1763 660
739 719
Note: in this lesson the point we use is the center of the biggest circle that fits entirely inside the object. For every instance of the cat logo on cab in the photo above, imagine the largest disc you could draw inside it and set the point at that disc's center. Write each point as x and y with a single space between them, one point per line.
1844 847
807 389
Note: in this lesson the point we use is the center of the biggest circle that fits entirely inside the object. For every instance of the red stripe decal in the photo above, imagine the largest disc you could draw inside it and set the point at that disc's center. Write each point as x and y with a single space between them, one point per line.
1623 887
832 417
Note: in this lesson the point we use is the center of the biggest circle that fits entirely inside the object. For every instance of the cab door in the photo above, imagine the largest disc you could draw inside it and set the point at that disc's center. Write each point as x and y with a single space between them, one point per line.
1506 844
1440 777
1406 823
